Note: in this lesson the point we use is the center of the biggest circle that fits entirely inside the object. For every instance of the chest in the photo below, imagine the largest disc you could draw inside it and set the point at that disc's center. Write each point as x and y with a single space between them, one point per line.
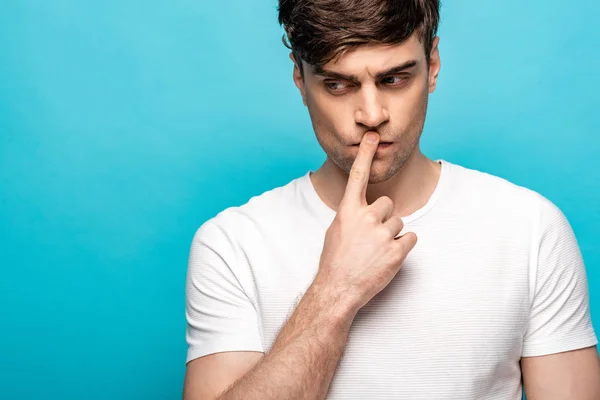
451 320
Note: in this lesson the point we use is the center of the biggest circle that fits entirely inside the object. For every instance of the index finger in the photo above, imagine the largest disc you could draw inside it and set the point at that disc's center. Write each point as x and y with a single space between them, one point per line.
358 179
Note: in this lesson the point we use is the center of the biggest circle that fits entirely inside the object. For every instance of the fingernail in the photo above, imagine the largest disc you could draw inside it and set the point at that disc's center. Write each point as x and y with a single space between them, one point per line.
371 137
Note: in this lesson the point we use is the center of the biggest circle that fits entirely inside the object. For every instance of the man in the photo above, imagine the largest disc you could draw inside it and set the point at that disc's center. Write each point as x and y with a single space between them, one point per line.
384 274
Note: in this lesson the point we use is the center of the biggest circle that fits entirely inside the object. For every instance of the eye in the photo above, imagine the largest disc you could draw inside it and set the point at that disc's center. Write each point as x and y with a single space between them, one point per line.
394 80
335 86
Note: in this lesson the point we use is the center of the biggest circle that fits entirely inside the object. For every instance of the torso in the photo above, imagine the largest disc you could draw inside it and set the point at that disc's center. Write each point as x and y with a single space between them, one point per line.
451 323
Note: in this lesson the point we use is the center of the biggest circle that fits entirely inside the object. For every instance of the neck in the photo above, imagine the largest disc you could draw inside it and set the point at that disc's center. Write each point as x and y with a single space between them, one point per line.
410 188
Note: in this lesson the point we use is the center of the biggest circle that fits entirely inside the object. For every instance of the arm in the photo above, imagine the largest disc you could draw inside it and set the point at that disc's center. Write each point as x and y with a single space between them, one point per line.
300 365
560 358
572 375
305 355
207 376
361 254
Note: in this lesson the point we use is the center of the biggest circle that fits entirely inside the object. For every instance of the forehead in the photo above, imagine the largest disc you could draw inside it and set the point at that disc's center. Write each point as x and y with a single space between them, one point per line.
368 60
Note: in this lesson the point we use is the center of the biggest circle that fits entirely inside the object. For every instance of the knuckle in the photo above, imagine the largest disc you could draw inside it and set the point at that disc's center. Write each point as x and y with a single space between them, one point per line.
384 233
386 200
356 174
342 216
407 242
337 224
390 204
399 221
371 216
385 203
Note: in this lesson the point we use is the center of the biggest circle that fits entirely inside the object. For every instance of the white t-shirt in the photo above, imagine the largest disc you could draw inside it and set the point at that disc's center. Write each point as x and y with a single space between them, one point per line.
496 275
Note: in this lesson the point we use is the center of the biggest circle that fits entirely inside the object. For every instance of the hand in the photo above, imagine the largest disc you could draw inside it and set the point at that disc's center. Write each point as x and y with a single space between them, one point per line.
361 254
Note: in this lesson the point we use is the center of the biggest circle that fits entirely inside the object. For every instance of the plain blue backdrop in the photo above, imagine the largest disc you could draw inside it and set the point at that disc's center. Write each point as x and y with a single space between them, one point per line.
124 125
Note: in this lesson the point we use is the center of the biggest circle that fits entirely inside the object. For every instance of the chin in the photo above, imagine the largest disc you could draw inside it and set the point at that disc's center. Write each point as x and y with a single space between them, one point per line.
374 179
381 171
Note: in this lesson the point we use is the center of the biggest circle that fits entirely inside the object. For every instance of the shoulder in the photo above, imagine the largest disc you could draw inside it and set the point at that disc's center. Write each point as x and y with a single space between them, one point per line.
492 193
264 210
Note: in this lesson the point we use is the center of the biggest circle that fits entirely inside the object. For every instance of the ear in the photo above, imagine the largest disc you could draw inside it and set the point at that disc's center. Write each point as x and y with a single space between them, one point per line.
434 65
298 79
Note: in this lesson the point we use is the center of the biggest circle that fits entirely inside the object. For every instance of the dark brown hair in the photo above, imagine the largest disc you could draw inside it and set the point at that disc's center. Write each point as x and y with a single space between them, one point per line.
319 31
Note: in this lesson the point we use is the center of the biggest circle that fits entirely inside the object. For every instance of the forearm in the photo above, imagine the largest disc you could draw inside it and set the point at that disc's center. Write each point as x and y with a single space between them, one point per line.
305 355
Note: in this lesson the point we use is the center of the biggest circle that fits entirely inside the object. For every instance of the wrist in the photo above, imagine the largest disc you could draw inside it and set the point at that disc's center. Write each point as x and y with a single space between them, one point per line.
335 302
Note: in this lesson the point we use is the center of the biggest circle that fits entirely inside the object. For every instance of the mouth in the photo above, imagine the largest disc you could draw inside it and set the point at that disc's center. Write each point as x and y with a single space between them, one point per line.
383 149
381 144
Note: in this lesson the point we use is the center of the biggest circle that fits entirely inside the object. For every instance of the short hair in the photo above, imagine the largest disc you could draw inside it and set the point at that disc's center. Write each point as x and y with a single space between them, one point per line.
319 31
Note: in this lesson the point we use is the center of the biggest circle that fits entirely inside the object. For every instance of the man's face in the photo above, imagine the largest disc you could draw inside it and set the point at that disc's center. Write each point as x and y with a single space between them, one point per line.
371 88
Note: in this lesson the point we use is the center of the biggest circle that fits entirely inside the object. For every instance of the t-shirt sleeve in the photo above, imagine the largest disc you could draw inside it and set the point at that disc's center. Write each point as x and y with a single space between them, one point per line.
220 315
559 317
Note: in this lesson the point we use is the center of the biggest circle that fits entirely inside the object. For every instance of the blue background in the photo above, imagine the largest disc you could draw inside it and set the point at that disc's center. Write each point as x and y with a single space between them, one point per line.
126 124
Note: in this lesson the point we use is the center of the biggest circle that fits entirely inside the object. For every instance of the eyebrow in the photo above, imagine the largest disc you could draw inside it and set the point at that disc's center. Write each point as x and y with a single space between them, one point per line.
320 71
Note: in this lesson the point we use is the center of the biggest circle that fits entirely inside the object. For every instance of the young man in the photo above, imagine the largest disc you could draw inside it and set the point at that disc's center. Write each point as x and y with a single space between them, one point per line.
384 274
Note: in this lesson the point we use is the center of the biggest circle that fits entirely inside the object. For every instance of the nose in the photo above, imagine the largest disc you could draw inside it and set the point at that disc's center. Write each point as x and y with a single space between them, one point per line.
371 111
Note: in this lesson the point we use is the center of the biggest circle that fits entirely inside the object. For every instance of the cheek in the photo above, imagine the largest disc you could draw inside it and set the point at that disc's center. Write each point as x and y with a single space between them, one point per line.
408 109
329 117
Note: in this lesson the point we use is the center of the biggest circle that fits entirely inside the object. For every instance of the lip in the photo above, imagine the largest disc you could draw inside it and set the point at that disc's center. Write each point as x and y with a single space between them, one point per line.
381 144
383 148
